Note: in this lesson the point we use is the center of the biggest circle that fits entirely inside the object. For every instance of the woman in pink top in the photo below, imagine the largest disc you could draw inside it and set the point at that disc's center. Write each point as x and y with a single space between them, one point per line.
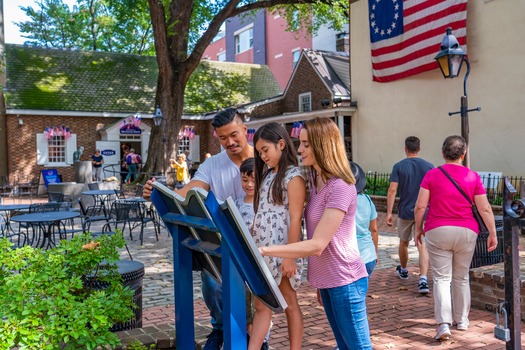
451 232
335 267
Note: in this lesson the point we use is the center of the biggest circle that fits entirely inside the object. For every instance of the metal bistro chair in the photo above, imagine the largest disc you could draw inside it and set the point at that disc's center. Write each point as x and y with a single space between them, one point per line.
140 216
7 188
55 197
27 188
119 193
118 216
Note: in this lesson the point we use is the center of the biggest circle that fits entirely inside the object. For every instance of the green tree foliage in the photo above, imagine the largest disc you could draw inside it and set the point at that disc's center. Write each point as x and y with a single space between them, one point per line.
183 29
181 32
211 89
105 25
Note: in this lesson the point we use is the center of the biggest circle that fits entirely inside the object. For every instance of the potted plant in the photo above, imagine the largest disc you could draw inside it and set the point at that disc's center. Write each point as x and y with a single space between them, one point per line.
48 300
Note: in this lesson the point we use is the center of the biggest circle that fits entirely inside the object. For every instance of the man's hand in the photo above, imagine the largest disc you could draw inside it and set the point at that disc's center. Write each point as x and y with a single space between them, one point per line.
148 188
389 220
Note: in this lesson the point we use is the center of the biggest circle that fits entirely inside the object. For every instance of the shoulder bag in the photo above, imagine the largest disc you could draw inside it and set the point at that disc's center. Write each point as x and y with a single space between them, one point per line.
475 212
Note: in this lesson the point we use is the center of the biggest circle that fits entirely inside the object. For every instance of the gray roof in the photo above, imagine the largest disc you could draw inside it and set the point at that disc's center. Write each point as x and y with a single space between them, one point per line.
94 81
333 68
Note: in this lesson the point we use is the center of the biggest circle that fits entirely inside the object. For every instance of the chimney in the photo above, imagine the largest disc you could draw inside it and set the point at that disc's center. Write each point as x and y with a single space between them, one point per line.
342 42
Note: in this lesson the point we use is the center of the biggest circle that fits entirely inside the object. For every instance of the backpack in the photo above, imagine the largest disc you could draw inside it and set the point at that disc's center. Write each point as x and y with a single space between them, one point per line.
129 159
139 160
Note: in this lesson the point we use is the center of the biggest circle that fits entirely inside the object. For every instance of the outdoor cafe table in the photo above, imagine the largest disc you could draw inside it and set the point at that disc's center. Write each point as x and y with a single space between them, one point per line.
46 221
6 211
100 196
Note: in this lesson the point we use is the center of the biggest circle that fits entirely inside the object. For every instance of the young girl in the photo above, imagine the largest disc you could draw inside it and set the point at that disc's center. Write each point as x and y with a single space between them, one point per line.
335 267
280 193
181 168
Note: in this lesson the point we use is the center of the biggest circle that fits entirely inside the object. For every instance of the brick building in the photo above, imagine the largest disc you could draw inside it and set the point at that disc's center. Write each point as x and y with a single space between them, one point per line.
96 100
263 38
318 87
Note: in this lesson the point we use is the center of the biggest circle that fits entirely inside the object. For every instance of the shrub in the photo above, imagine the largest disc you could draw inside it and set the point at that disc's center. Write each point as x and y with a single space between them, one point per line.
47 299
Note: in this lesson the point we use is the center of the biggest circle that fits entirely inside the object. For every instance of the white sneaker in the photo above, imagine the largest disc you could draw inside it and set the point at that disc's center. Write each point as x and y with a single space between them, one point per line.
462 326
443 332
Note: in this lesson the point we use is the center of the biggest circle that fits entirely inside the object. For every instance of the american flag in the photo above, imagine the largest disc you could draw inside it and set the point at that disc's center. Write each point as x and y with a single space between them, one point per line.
405 35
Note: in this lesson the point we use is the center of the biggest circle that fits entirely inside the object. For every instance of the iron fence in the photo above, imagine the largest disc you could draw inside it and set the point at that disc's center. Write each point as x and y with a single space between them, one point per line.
378 183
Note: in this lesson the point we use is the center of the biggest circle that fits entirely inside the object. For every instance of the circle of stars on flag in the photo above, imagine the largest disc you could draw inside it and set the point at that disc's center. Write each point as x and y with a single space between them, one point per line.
373 23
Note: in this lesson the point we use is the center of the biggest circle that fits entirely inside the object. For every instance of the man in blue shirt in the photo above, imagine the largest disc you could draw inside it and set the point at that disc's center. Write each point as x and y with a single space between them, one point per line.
406 178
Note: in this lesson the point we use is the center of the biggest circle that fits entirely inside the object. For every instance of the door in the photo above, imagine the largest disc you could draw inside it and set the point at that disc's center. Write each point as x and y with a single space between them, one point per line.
110 150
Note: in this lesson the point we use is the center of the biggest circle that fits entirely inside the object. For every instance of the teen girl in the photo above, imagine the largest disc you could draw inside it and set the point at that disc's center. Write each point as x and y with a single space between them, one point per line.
335 267
280 193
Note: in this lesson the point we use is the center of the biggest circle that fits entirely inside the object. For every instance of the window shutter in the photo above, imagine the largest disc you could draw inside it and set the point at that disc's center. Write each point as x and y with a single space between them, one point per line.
195 149
71 147
41 149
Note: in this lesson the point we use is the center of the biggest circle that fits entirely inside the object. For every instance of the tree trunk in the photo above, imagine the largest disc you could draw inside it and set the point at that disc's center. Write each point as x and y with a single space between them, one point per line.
170 98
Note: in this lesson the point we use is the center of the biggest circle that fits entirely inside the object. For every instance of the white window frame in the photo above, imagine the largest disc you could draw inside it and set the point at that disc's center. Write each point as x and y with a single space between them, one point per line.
42 151
305 100
240 39
193 146
298 52
223 55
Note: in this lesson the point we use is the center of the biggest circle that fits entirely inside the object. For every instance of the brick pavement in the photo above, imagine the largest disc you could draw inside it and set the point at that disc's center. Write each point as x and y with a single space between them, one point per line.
399 317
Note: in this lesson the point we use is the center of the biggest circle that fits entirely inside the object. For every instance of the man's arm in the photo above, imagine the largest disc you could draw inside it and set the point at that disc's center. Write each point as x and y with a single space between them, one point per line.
148 188
390 200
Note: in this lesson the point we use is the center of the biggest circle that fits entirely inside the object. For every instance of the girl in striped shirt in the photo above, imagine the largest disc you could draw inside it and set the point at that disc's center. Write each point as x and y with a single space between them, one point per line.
335 267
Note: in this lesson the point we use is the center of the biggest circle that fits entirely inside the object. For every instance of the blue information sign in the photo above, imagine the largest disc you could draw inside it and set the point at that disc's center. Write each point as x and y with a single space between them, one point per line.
50 176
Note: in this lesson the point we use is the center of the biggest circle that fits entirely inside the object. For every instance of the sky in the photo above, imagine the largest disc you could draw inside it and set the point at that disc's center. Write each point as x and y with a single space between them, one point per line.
13 13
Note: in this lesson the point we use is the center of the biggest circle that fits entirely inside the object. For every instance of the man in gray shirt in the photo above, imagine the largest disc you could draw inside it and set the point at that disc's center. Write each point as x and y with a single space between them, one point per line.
406 178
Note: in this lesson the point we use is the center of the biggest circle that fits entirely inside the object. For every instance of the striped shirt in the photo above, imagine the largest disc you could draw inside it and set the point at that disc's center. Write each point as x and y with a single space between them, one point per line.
340 263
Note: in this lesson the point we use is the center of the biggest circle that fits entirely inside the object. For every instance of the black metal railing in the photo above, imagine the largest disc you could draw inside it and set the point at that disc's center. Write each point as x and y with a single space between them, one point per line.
378 183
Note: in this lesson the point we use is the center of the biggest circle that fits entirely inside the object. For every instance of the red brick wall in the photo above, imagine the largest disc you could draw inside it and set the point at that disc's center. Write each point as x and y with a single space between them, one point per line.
305 80
208 143
215 48
281 43
21 142
487 288
268 110
244 57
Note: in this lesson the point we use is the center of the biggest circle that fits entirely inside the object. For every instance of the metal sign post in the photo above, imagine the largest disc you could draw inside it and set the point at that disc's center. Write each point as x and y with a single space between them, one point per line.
213 237
511 231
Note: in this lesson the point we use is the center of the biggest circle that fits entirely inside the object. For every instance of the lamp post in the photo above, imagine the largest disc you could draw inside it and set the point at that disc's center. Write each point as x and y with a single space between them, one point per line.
157 120
450 59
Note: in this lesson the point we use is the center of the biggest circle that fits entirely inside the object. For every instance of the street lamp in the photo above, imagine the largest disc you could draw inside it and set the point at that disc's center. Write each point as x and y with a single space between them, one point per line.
157 120
450 60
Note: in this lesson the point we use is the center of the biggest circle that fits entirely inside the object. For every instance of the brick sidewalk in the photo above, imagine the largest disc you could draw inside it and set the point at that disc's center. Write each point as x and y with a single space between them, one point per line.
399 318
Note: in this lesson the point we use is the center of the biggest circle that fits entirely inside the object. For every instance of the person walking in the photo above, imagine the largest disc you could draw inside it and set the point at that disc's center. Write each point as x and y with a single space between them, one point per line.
335 267
221 175
406 177
97 160
280 194
131 161
366 221
451 232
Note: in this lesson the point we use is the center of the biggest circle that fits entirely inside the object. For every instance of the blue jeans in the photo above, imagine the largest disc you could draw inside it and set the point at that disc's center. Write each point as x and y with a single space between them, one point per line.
345 309
132 172
212 295
370 266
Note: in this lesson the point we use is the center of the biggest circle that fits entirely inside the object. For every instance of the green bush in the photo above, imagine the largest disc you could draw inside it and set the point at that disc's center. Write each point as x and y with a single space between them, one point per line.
47 299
